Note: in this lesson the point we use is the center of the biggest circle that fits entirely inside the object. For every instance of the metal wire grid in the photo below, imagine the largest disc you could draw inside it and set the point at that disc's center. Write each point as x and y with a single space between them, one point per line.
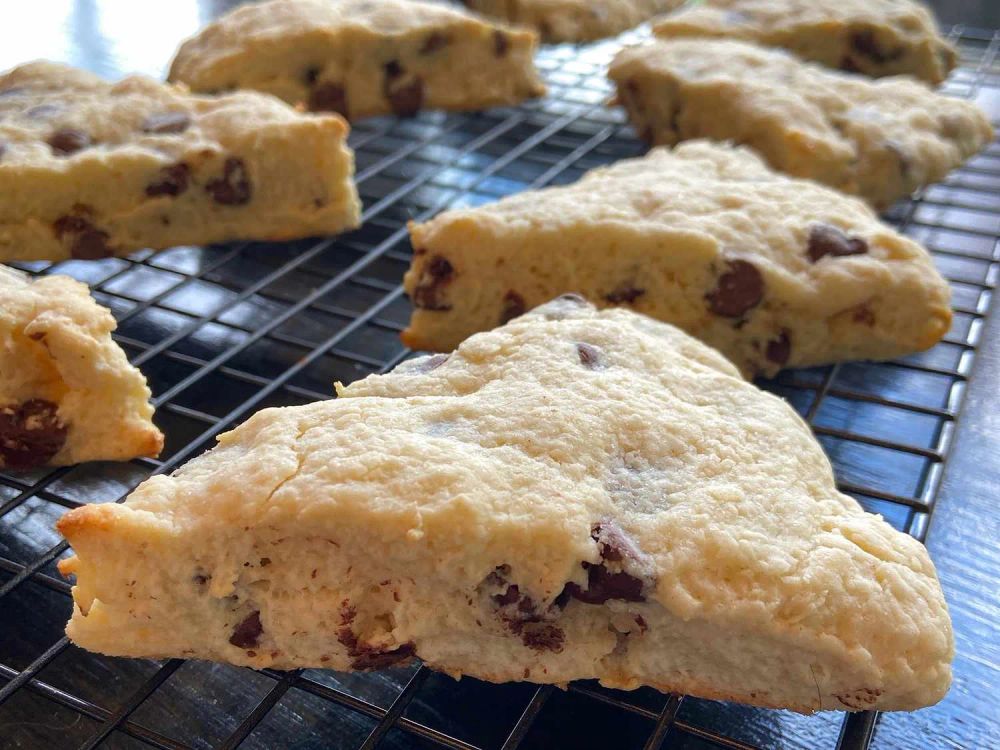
226 330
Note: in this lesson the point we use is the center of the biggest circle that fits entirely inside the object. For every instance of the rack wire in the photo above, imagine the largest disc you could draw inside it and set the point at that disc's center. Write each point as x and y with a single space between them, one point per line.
223 331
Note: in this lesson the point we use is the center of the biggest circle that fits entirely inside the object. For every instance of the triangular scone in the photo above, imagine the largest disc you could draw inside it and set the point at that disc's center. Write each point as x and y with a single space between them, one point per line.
880 139
874 37
574 20
363 57
67 392
578 494
772 271
91 168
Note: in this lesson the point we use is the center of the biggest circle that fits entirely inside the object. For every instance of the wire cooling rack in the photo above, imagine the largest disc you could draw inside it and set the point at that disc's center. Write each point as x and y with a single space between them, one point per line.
223 331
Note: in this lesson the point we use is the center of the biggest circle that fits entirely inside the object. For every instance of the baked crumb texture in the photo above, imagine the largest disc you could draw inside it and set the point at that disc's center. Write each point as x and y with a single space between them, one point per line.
361 58
873 37
772 271
574 20
578 494
67 391
879 139
91 169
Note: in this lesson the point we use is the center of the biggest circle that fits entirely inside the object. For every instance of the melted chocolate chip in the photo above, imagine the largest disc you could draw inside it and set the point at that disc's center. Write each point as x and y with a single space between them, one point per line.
543 637
374 659
590 356
328 97
513 307
511 596
172 180
428 293
88 242
624 294
604 585
405 99
167 122
233 188
740 288
66 141
847 64
434 42
864 43
778 350
829 240
500 43
30 434
246 634
863 315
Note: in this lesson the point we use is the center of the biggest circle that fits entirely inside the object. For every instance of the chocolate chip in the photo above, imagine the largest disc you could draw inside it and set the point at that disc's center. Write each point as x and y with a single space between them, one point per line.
500 43
543 637
428 293
511 596
172 180
88 242
863 41
30 434
626 293
590 356
847 64
246 634
233 188
604 585
863 315
405 99
166 122
825 239
614 544
434 42
66 141
200 579
311 75
374 659
739 288
779 349
513 307
328 97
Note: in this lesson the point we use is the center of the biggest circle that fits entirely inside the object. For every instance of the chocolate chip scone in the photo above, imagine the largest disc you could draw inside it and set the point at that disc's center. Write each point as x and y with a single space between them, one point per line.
874 37
67 392
574 20
90 169
880 139
772 271
362 58
578 494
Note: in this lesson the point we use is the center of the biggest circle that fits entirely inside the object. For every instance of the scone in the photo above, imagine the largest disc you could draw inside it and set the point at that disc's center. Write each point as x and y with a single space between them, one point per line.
67 392
90 169
362 58
771 271
880 139
574 20
874 37
578 494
